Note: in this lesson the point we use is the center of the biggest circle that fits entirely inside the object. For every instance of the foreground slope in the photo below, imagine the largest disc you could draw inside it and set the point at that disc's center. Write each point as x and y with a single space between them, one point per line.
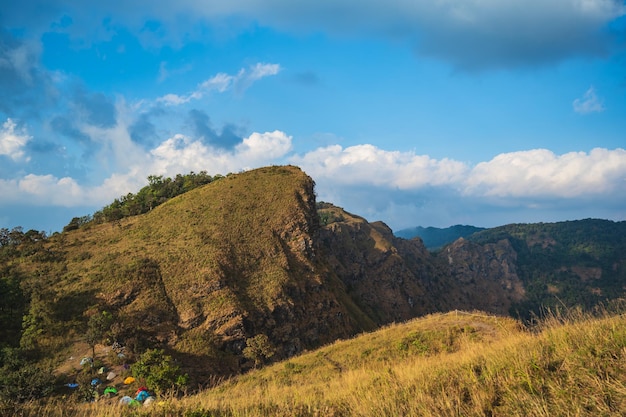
456 364
460 363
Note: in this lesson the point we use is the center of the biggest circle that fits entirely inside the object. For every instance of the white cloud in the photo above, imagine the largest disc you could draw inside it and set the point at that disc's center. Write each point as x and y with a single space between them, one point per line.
57 191
261 148
525 177
219 82
174 99
539 173
589 103
367 164
13 140
176 155
223 82
405 189
180 154
42 190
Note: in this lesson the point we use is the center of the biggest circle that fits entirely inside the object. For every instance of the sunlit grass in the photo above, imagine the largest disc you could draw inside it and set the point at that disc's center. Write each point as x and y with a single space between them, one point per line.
565 367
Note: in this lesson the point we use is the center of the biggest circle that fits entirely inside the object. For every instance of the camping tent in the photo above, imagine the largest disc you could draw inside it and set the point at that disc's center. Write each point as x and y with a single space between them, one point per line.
126 400
142 395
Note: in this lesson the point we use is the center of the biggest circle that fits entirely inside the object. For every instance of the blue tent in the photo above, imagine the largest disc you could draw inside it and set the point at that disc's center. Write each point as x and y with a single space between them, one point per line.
142 395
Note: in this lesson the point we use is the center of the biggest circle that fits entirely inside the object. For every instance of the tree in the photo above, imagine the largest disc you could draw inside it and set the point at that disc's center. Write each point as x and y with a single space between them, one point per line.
38 318
21 380
77 222
98 328
12 306
259 349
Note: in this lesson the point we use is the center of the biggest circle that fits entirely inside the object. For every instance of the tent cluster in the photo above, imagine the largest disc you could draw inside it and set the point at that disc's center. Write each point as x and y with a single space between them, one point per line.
142 396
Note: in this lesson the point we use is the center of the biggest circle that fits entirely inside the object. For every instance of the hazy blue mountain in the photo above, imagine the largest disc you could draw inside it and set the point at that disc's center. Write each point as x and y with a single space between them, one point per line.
434 237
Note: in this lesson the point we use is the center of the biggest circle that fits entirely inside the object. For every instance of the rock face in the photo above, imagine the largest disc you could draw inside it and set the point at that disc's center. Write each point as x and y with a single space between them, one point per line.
394 279
384 275
483 277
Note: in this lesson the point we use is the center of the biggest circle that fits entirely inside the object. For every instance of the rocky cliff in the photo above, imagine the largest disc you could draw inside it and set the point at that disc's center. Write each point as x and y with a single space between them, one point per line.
394 279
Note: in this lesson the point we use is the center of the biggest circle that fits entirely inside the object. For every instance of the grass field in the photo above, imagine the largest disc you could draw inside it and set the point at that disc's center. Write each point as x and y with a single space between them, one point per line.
454 364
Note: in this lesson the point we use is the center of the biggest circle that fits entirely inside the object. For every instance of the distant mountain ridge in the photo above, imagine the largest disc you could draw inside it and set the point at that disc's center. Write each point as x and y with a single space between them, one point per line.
253 254
434 237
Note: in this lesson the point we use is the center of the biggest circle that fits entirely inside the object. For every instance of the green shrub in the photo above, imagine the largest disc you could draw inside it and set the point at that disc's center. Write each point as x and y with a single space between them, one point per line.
259 349
159 372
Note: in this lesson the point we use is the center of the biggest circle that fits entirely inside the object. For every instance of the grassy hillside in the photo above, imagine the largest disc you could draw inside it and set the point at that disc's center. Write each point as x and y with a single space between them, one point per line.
198 275
455 364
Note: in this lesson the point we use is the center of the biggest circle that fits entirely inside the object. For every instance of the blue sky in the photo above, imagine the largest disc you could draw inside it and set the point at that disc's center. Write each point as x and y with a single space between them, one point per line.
412 112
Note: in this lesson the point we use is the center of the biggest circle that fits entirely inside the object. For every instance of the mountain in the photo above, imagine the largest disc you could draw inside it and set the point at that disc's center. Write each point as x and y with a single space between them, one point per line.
434 238
573 263
199 275
252 258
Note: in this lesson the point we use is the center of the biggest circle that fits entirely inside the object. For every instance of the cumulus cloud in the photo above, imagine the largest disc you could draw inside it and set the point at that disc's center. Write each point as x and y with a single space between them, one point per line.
13 140
41 189
406 189
178 154
533 175
182 154
539 173
589 103
223 82
368 164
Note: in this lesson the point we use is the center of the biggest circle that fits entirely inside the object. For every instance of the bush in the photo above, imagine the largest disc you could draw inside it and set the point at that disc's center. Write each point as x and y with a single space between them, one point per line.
259 349
159 372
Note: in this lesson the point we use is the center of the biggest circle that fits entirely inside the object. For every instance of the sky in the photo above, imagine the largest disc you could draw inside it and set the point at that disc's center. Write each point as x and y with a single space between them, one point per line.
411 112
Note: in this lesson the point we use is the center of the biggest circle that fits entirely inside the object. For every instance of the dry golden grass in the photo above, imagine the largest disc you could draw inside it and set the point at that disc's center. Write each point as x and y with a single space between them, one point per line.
455 364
